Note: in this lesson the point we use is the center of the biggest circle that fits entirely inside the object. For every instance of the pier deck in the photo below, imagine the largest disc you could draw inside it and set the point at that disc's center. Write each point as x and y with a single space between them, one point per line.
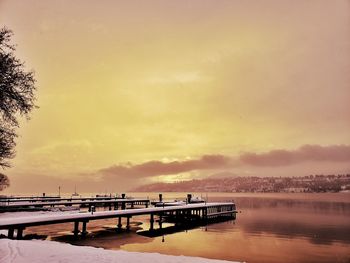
111 203
55 199
189 211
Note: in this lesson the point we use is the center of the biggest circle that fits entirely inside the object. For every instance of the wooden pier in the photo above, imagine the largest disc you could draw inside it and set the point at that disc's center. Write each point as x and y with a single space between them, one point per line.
8 200
27 198
111 203
176 214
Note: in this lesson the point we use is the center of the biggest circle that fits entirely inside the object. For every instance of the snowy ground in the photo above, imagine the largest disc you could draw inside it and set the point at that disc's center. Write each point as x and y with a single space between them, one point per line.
35 251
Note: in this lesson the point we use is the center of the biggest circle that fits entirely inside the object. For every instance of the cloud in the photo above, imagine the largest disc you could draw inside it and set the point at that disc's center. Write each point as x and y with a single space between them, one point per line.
274 158
324 159
155 168
333 153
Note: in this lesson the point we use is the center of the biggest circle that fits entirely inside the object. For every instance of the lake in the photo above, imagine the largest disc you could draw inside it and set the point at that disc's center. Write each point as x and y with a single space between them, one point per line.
268 228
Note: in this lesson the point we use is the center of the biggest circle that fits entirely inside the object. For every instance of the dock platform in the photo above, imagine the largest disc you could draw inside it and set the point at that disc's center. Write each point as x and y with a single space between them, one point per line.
112 204
201 211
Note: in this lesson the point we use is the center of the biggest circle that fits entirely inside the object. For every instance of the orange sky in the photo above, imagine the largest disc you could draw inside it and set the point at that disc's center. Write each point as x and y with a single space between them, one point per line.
142 81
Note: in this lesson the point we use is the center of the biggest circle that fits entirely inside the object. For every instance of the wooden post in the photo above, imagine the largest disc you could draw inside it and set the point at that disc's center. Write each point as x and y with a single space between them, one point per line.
84 232
10 233
177 217
132 204
204 213
128 223
151 221
119 223
160 221
76 228
146 204
19 233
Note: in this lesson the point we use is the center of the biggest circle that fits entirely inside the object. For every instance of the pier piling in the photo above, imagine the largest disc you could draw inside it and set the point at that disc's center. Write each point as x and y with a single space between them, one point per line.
119 223
151 222
76 228
84 232
128 223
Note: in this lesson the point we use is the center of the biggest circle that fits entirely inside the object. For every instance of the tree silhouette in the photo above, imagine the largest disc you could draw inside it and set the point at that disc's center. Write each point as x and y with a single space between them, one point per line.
17 88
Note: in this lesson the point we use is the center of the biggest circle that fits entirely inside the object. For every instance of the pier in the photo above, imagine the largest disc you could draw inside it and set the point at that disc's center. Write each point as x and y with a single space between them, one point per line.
175 214
8 200
111 203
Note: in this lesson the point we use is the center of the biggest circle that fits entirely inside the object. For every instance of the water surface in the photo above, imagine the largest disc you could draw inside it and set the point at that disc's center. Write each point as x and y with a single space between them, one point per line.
268 228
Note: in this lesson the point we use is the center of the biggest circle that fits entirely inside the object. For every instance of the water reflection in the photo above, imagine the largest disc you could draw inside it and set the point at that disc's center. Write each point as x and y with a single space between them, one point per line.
280 228
319 222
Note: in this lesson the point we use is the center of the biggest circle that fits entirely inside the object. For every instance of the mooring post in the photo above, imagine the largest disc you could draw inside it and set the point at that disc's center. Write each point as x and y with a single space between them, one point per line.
146 204
132 204
151 222
76 228
123 202
189 197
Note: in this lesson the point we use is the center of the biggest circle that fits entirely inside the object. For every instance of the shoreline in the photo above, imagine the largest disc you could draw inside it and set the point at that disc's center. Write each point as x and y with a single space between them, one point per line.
40 251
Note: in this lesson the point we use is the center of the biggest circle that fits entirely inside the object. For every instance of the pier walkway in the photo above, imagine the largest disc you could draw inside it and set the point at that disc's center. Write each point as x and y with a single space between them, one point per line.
201 211
113 203
4 201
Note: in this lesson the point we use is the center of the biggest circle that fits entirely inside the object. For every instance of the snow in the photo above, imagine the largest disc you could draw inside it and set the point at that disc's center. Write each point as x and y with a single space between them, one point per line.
39 251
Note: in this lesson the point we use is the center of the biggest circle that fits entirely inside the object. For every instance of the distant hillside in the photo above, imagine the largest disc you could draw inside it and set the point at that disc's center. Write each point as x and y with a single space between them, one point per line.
311 183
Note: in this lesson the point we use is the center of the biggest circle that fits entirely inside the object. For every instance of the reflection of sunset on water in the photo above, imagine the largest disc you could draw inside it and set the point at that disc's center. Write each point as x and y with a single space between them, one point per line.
269 228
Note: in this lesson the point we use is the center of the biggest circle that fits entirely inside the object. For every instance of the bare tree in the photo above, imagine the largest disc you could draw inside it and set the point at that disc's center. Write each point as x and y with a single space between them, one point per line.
17 87
4 181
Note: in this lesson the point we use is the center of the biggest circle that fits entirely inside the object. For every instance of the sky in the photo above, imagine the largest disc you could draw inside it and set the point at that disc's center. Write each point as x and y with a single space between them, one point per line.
134 92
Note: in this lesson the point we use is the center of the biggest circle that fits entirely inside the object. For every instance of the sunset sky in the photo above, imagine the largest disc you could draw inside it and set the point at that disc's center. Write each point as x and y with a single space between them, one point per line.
132 92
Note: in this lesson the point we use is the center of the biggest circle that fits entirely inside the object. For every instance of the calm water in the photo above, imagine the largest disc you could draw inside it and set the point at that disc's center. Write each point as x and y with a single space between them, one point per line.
269 228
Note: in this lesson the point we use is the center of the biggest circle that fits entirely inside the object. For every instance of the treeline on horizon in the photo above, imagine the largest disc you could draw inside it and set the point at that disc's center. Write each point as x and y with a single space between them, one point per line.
304 184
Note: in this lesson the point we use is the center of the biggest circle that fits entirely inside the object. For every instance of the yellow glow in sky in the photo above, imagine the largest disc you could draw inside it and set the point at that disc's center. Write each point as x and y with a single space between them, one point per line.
134 81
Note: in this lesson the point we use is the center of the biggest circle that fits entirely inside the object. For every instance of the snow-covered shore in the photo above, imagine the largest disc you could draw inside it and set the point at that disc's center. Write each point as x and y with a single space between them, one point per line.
39 251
